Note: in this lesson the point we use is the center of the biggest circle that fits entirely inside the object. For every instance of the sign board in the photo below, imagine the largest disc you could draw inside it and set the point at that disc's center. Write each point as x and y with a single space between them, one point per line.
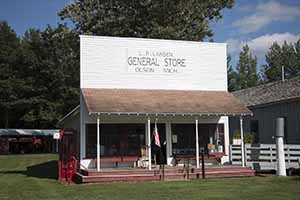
174 139
56 136
153 61
136 63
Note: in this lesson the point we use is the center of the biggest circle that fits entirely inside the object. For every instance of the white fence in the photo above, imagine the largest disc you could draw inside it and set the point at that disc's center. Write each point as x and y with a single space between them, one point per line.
263 156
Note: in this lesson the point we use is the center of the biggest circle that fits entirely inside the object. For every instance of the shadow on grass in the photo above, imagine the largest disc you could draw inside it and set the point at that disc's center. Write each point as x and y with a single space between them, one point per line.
296 178
48 170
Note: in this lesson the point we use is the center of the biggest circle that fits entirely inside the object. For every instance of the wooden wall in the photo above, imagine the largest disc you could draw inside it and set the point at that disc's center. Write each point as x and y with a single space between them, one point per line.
266 116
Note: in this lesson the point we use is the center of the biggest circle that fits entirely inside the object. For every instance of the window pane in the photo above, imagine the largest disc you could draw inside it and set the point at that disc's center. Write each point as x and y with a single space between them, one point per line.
183 136
116 139
211 138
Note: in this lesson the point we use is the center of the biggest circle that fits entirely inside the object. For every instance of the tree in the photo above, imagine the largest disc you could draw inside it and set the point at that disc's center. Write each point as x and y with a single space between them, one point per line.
51 58
287 55
247 69
232 76
168 19
10 83
39 76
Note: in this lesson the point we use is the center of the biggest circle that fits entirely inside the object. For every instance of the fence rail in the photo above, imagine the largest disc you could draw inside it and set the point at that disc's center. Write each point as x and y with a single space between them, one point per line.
263 156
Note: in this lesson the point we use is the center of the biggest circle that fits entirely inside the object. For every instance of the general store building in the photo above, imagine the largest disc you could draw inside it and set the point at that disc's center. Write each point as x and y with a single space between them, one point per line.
129 84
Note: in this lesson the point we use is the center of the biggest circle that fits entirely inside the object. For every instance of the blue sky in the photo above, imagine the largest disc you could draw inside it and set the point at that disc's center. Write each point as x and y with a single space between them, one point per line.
257 23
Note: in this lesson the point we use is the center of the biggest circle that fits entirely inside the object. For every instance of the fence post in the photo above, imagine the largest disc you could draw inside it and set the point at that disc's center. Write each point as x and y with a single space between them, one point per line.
230 153
288 153
245 152
271 154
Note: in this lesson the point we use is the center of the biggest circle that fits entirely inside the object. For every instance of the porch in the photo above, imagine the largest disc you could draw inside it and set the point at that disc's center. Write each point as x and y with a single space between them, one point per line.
117 127
125 142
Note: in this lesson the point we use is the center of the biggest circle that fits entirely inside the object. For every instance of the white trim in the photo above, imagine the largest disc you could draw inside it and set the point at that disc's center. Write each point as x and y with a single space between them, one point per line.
185 42
242 142
169 143
172 114
197 144
149 143
69 114
98 143
82 129
224 120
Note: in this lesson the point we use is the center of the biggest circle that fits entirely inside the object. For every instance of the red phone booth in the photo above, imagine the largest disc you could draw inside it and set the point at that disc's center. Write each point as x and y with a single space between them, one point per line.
67 164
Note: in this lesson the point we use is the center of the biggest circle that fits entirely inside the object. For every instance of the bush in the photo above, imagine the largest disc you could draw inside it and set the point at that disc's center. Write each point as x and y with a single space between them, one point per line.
248 137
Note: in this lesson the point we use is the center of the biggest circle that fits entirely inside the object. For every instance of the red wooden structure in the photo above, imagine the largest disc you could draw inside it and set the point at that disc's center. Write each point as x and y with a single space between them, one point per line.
67 164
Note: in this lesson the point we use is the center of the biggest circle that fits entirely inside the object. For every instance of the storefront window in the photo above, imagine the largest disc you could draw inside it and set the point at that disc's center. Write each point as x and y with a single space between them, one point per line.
115 139
211 138
183 139
215 138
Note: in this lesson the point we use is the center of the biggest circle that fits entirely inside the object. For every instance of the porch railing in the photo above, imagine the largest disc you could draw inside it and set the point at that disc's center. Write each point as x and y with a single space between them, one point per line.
263 156
79 165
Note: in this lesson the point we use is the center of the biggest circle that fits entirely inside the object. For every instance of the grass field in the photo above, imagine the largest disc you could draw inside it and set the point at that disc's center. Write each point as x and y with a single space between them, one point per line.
34 177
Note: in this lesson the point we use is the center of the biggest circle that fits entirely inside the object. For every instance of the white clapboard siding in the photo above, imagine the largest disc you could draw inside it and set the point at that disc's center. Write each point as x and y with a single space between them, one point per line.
104 64
263 156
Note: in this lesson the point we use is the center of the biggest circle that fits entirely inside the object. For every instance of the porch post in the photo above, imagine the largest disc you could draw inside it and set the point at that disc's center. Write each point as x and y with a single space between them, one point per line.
149 144
98 143
83 133
169 142
242 142
197 144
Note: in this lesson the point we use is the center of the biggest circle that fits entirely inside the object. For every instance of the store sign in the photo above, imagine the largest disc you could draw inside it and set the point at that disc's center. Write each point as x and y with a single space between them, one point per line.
56 136
154 61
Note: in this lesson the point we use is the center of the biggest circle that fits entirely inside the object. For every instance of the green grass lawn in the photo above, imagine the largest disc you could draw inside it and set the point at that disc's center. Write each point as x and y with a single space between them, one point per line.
34 177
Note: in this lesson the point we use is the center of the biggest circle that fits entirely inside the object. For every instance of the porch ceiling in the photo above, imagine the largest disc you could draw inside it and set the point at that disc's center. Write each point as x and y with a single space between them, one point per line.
137 101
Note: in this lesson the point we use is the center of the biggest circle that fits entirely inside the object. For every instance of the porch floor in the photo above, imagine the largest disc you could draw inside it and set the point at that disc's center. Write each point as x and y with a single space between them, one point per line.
156 174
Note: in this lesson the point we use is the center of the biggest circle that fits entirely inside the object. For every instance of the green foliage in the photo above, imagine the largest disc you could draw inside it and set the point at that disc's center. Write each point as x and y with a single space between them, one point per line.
247 69
232 76
10 81
287 55
39 76
249 138
245 74
168 19
52 57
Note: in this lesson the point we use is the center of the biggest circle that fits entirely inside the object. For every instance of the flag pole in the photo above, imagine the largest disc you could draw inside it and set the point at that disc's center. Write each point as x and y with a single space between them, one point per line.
161 156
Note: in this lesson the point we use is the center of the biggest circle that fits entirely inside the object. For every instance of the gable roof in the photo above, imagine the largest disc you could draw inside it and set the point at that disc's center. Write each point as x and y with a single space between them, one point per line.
270 93
139 101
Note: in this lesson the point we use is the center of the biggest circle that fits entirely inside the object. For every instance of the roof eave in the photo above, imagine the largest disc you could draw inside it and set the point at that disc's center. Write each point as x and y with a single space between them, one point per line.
171 114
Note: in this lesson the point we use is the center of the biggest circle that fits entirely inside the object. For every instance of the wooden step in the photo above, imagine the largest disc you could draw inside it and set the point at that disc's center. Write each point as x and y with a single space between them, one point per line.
167 171
156 175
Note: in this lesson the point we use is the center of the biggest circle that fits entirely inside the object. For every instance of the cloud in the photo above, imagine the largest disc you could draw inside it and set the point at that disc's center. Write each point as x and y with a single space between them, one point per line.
245 8
261 44
265 14
233 45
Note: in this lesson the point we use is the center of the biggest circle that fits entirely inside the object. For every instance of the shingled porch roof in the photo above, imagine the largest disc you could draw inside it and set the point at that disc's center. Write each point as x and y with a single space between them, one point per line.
165 102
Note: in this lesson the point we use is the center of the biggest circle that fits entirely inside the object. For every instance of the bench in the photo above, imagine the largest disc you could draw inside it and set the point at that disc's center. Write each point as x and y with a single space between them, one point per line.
118 159
188 157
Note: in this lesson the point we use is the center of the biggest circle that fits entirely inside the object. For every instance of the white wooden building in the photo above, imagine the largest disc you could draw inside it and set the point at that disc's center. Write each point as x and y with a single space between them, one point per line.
129 84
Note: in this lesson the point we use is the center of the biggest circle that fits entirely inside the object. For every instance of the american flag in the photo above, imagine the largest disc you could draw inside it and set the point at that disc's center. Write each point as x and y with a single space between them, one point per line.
156 135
